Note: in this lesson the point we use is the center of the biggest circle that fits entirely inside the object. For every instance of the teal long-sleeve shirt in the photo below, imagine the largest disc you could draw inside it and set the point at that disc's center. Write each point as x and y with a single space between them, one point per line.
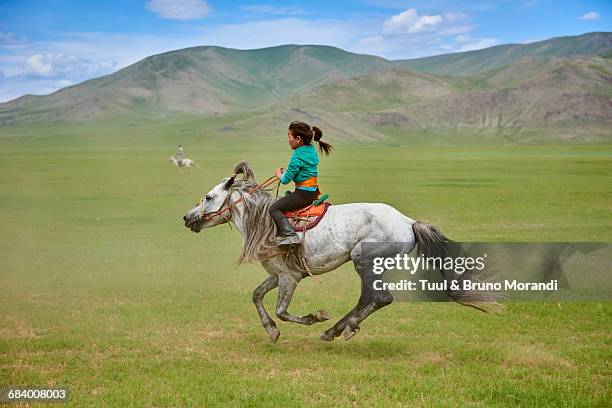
302 166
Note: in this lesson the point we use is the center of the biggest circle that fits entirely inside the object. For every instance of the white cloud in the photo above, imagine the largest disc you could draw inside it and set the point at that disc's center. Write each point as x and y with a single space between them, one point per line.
590 16
410 35
60 65
409 21
38 65
273 10
179 9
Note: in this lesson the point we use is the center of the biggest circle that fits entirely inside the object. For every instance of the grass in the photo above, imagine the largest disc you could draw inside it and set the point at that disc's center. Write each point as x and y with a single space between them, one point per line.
103 290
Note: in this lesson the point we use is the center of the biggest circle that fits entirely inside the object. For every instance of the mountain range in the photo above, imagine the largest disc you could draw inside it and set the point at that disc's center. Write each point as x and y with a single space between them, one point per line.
564 83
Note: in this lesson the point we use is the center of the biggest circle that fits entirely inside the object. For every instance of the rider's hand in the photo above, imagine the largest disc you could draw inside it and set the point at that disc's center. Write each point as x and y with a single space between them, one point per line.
278 172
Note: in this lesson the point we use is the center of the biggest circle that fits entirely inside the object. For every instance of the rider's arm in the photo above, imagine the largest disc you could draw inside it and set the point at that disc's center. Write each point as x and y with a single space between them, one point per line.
292 169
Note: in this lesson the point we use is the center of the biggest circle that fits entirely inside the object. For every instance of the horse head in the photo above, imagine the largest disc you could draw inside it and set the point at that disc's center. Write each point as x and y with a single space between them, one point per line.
213 208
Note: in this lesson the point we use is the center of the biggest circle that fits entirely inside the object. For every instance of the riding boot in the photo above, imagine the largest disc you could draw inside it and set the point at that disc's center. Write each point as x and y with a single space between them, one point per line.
287 232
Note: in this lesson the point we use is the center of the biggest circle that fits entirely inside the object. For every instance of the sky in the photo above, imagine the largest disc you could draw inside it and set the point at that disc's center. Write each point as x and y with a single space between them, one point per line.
48 45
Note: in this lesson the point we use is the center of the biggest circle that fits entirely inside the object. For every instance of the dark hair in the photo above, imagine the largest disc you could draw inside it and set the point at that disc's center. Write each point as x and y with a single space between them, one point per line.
307 133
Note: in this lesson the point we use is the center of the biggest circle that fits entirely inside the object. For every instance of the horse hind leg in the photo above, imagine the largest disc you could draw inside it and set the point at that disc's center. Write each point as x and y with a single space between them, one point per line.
352 325
349 324
369 301
286 288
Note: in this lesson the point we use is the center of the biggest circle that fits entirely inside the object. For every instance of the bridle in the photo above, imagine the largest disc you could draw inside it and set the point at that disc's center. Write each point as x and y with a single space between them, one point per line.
225 205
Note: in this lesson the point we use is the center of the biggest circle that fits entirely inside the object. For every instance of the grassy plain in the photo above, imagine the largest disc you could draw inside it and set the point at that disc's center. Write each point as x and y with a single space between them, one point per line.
102 288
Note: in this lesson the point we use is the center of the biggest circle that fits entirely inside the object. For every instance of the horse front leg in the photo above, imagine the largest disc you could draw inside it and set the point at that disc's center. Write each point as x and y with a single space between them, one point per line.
258 295
286 288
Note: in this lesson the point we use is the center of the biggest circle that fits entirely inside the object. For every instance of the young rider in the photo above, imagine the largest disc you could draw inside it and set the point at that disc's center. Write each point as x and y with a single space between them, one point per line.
302 169
180 155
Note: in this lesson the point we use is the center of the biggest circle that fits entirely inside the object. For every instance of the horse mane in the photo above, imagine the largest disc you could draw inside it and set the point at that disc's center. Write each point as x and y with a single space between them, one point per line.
243 167
260 242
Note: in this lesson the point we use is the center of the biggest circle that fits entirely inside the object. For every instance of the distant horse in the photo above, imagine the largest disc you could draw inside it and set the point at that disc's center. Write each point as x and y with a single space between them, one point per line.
184 163
335 240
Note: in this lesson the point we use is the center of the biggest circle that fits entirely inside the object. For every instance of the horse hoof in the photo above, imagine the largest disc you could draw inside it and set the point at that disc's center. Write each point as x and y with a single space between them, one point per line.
322 316
274 334
327 337
349 332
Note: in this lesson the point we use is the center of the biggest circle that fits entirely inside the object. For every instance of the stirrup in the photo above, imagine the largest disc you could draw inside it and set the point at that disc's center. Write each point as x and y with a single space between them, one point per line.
290 241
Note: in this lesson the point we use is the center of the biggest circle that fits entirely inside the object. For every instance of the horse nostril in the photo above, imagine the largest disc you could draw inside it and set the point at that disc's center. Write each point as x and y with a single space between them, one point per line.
184 218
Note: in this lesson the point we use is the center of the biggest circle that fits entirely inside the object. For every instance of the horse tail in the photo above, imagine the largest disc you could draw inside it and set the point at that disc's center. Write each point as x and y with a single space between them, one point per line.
431 243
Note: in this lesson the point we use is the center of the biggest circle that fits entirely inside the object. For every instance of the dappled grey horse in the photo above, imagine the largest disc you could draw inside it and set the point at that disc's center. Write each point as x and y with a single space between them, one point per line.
337 239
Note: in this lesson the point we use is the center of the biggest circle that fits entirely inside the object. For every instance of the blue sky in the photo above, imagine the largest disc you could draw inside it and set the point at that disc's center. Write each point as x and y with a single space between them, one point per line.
47 45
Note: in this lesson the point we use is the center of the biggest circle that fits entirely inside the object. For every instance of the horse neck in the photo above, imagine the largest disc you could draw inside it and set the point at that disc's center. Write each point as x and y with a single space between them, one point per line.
239 213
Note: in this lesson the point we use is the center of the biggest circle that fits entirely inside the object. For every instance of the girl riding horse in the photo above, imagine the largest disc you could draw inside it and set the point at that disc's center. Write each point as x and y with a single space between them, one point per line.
302 169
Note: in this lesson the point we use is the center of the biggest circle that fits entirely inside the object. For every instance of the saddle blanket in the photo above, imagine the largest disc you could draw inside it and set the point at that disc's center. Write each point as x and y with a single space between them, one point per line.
308 217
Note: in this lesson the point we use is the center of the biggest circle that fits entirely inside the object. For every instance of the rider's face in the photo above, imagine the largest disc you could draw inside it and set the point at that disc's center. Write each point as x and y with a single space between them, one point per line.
294 142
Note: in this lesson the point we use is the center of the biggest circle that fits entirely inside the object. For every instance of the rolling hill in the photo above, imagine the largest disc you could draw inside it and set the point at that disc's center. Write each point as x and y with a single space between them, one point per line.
379 90
570 94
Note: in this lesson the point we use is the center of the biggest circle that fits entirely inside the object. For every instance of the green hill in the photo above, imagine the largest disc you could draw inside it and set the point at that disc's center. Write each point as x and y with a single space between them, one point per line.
200 81
380 90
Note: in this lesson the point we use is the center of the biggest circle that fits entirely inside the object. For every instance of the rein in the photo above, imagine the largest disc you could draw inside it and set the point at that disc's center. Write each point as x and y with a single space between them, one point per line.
225 205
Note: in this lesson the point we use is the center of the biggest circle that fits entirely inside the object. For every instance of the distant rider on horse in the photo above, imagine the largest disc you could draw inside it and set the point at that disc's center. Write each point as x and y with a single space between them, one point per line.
180 155
302 169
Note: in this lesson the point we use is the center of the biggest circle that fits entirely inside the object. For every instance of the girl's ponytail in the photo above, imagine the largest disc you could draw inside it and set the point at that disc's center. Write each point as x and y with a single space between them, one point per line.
317 134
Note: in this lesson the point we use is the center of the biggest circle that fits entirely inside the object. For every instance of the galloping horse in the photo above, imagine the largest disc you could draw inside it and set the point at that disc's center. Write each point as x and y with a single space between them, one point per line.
335 240
184 163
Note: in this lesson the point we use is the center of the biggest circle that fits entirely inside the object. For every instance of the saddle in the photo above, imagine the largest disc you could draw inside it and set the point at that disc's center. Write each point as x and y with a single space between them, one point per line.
308 217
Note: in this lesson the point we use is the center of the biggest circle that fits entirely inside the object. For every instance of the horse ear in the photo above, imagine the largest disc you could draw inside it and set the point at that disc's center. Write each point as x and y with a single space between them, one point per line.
229 182
243 167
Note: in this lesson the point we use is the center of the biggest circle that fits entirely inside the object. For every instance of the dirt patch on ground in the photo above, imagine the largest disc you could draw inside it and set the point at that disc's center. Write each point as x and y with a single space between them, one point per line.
430 357
14 328
534 356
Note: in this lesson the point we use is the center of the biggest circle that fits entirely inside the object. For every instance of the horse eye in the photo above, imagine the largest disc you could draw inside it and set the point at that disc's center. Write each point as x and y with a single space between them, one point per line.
207 197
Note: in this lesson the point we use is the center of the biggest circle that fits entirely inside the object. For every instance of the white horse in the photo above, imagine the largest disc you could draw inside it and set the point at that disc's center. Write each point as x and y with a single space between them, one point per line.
184 163
338 238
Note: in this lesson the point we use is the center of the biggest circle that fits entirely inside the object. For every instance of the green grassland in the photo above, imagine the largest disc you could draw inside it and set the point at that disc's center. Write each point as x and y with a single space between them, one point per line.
103 290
